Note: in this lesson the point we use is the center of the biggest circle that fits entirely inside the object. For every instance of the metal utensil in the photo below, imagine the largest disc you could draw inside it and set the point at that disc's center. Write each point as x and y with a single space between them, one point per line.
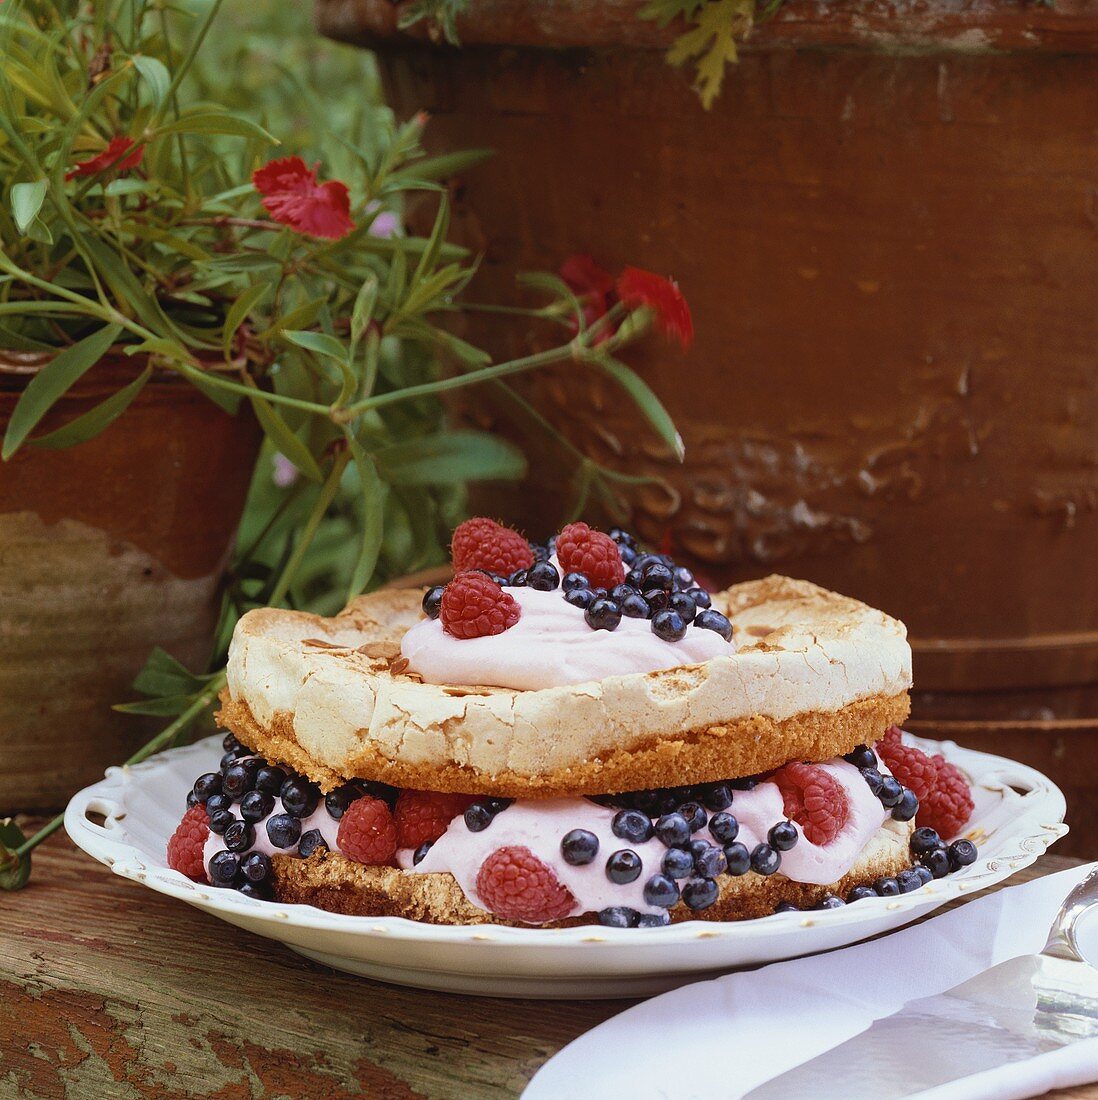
1020 1008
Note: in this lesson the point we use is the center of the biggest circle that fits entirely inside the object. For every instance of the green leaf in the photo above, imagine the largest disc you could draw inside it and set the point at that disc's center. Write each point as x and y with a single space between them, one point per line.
645 400
436 168
282 436
365 301
434 244
239 310
319 342
373 514
14 870
449 457
163 675
26 200
90 424
52 381
216 123
155 74
163 706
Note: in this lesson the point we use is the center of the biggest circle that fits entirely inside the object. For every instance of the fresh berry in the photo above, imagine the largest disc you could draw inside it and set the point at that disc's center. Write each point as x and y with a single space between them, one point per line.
716 796
582 598
337 801
936 861
312 841
367 832
886 887
945 799
621 591
860 893
622 537
924 873
746 783
695 816
619 916
891 792
789 907
635 606
652 920
239 779
207 785
299 796
661 890
230 742
829 901
218 802
432 601
677 863
603 614
783 836
571 581
669 625
420 852
907 807
256 805
962 853
580 549
283 830
764 860
478 817
873 779
231 757
474 606
814 799
724 827
481 543
862 757
908 881
700 893
683 606
185 845
579 847
632 825
623 866
239 836
518 579
542 577
423 816
923 840
270 779
657 575
220 820
673 829
738 858
709 860
700 597
714 620
515 885
657 600
224 868
256 867
261 891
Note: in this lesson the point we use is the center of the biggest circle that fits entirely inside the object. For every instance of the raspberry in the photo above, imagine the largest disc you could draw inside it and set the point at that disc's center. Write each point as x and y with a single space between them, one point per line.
481 543
814 799
474 606
185 846
580 549
515 885
945 799
367 833
422 816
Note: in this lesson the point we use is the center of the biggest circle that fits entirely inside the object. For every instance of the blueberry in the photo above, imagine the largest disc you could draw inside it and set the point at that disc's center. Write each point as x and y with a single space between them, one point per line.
646 800
632 825
231 757
192 798
738 857
700 597
907 807
256 867
603 614
239 836
497 805
783 836
337 801
572 581
283 830
673 829
746 783
787 907
229 743
220 820
829 901
579 847
764 860
635 607
716 796
873 778
421 851
256 805
582 598
542 577
312 841
908 881
695 816
669 625
223 868
261 891
684 579
681 603
634 578
714 620
618 916
623 866
677 863
239 779
661 890
724 827
541 553
207 785
299 796
886 887
923 840
622 537
218 802
700 893
936 861
657 575
860 893
961 854
709 860
432 601
862 757
518 579
270 779
620 591
653 920
657 600
478 817
891 792
628 555
924 873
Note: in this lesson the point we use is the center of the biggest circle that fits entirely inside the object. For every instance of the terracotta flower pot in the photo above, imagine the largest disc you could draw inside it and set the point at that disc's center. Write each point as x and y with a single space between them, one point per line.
107 549
888 248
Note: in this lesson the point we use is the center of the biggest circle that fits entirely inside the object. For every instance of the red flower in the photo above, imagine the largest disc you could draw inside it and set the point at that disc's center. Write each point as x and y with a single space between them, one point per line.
638 288
121 154
592 284
292 195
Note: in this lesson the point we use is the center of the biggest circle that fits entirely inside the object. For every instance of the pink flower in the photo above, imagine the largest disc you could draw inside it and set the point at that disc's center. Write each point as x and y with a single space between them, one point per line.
121 154
638 289
293 196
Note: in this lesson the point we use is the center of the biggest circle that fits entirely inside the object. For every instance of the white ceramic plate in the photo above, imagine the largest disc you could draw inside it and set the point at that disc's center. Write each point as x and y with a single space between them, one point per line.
1019 813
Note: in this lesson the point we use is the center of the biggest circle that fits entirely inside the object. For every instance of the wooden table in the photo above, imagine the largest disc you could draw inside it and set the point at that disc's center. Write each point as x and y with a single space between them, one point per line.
111 990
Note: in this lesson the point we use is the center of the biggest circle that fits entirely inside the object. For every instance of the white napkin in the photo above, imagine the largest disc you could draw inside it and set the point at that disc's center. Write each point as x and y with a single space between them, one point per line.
721 1038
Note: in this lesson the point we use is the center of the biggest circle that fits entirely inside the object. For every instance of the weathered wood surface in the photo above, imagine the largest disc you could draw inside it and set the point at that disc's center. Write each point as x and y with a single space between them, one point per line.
110 990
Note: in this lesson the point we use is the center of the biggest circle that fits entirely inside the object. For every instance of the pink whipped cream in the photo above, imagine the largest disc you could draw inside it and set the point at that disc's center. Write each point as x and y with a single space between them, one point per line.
551 645
318 819
541 824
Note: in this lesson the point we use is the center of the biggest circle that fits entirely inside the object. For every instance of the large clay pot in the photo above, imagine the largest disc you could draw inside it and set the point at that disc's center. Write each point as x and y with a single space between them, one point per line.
107 549
888 248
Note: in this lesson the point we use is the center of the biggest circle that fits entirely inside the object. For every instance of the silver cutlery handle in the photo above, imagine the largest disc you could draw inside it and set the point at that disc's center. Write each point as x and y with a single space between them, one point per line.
1061 940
